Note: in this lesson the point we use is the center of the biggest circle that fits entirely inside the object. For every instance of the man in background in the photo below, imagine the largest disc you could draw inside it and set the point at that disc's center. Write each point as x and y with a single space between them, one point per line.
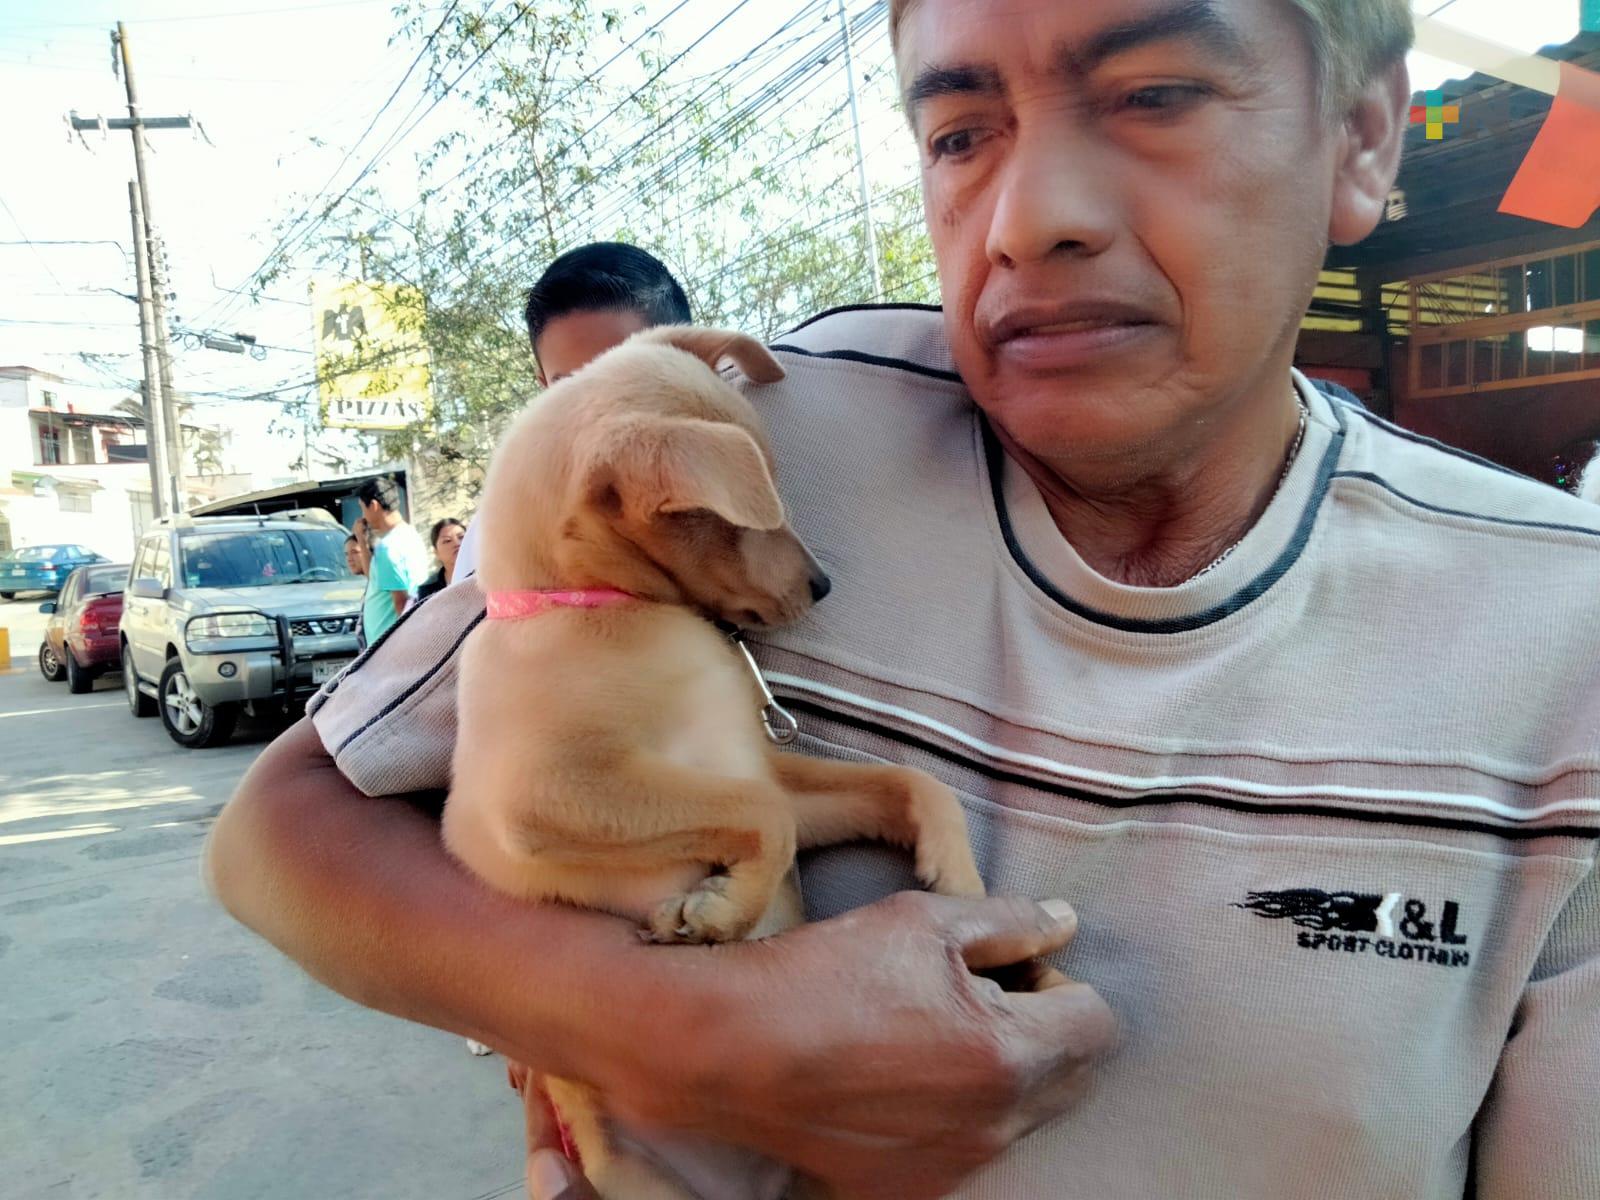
588 301
398 559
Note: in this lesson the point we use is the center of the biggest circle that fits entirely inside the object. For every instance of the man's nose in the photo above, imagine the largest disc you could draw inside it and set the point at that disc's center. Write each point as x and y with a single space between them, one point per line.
1053 194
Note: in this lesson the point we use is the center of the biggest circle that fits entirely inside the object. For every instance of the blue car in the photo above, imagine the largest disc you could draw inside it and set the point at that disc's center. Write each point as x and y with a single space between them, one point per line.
43 568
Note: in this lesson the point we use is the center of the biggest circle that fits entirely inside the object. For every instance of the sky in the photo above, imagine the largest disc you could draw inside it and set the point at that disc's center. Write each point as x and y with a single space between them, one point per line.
284 90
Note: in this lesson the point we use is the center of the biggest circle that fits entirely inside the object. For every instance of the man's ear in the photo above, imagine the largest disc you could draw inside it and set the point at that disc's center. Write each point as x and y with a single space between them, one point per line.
1372 137
647 466
711 346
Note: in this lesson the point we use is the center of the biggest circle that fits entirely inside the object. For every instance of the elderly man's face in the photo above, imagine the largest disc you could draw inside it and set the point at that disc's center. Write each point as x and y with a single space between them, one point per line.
1129 201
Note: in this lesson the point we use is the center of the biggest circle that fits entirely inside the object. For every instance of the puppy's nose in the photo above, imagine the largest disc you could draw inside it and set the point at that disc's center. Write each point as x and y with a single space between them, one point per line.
821 585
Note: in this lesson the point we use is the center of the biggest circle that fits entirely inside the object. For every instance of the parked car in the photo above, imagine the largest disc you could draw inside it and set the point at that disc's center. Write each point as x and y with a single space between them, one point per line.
42 568
224 614
80 641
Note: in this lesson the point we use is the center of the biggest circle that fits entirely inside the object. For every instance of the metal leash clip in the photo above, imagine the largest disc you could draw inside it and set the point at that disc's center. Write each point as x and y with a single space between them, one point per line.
779 723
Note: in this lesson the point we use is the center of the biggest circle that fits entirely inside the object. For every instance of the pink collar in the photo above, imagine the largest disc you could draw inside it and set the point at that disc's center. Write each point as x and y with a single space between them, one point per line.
515 606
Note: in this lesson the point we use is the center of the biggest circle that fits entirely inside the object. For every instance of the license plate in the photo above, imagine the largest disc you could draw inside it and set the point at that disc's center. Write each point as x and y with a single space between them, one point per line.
321 672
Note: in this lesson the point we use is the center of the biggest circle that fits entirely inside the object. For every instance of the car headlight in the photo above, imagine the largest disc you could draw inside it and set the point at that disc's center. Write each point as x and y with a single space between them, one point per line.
226 631
231 625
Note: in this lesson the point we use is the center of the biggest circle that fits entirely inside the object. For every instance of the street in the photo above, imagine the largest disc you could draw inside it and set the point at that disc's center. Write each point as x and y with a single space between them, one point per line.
154 1047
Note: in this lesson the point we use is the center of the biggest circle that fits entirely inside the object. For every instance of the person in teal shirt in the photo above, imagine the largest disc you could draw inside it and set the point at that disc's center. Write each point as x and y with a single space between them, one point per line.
399 561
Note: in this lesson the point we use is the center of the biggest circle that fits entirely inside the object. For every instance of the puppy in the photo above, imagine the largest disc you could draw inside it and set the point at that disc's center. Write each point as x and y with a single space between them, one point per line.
611 751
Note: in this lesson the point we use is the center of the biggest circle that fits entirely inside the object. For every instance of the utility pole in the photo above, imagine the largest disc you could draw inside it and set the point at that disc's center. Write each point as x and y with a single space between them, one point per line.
158 382
861 156
154 422
173 417
363 242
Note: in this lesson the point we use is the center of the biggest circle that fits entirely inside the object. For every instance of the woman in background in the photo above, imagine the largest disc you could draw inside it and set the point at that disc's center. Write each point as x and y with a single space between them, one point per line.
446 542
353 556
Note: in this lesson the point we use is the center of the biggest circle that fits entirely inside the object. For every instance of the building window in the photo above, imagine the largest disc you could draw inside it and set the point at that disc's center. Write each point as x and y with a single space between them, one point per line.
48 399
75 502
82 444
1501 324
49 446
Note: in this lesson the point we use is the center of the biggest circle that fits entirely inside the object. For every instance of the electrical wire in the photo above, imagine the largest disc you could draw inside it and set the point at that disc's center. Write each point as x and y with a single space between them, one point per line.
283 244
795 78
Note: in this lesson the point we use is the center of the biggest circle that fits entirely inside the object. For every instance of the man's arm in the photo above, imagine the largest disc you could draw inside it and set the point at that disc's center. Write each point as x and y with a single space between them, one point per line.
860 1049
1539 1131
359 891
401 599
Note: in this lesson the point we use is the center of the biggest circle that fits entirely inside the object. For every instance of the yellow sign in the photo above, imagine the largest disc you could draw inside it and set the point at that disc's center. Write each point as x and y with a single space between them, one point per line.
372 362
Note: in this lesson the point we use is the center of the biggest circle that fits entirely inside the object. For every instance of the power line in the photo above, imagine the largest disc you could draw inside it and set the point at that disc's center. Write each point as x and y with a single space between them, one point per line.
283 244
563 202
764 99
27 241
591 77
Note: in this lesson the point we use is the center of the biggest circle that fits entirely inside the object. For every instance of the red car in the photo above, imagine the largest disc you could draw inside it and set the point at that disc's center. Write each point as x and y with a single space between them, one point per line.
80 642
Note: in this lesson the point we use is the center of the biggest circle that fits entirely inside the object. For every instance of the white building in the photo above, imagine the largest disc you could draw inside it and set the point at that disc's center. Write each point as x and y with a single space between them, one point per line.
71 468
73 465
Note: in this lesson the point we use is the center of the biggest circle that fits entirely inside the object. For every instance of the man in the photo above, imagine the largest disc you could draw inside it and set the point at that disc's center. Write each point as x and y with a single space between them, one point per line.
397 560
587 301
1296 708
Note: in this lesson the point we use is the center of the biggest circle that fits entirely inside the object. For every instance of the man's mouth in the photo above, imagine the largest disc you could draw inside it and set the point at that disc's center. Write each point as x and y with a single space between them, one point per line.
1066 335
1078 317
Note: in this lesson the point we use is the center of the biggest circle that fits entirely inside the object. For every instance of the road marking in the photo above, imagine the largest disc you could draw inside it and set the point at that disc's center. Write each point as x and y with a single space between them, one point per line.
44 712
19 839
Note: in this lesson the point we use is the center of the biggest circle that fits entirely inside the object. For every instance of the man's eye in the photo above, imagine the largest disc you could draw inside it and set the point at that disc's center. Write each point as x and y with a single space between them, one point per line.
1165 98
956 145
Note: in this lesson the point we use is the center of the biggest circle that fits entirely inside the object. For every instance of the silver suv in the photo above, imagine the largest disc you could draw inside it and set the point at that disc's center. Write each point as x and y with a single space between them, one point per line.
230 613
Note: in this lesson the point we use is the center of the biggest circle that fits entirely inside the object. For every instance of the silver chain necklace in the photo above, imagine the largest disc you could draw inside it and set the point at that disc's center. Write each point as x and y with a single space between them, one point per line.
1294 453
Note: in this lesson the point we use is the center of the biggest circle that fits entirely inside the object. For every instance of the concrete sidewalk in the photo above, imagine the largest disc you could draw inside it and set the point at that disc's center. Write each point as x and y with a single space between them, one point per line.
154 1048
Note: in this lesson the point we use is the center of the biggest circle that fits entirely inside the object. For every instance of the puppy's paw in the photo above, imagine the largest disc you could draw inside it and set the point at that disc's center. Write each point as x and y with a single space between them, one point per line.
702 915
944 861
949 870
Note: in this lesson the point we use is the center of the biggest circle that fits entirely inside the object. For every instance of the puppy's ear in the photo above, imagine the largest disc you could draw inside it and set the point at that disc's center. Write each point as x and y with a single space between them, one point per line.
711 346
653 465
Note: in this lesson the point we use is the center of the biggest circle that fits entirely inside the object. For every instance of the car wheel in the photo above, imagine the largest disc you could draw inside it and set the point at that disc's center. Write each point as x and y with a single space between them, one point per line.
49 665
190 720
79 679
138 703
8 595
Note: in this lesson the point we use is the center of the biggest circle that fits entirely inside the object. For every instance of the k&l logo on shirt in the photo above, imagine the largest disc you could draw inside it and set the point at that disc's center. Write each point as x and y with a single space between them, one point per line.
1386 925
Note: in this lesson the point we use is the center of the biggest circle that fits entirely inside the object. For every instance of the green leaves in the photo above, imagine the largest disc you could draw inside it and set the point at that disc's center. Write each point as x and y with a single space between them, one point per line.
579 123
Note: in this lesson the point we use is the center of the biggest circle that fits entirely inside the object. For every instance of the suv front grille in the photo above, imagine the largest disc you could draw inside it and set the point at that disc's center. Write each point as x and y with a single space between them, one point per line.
324 626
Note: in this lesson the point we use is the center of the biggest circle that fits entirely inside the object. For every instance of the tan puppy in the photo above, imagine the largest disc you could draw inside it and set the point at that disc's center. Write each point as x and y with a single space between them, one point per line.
613 755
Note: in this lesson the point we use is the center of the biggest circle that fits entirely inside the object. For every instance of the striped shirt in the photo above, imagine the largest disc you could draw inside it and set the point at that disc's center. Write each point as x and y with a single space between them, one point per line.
1328 813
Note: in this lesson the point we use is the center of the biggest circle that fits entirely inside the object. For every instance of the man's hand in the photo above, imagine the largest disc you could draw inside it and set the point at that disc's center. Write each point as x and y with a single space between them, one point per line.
866 1052
550 1175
